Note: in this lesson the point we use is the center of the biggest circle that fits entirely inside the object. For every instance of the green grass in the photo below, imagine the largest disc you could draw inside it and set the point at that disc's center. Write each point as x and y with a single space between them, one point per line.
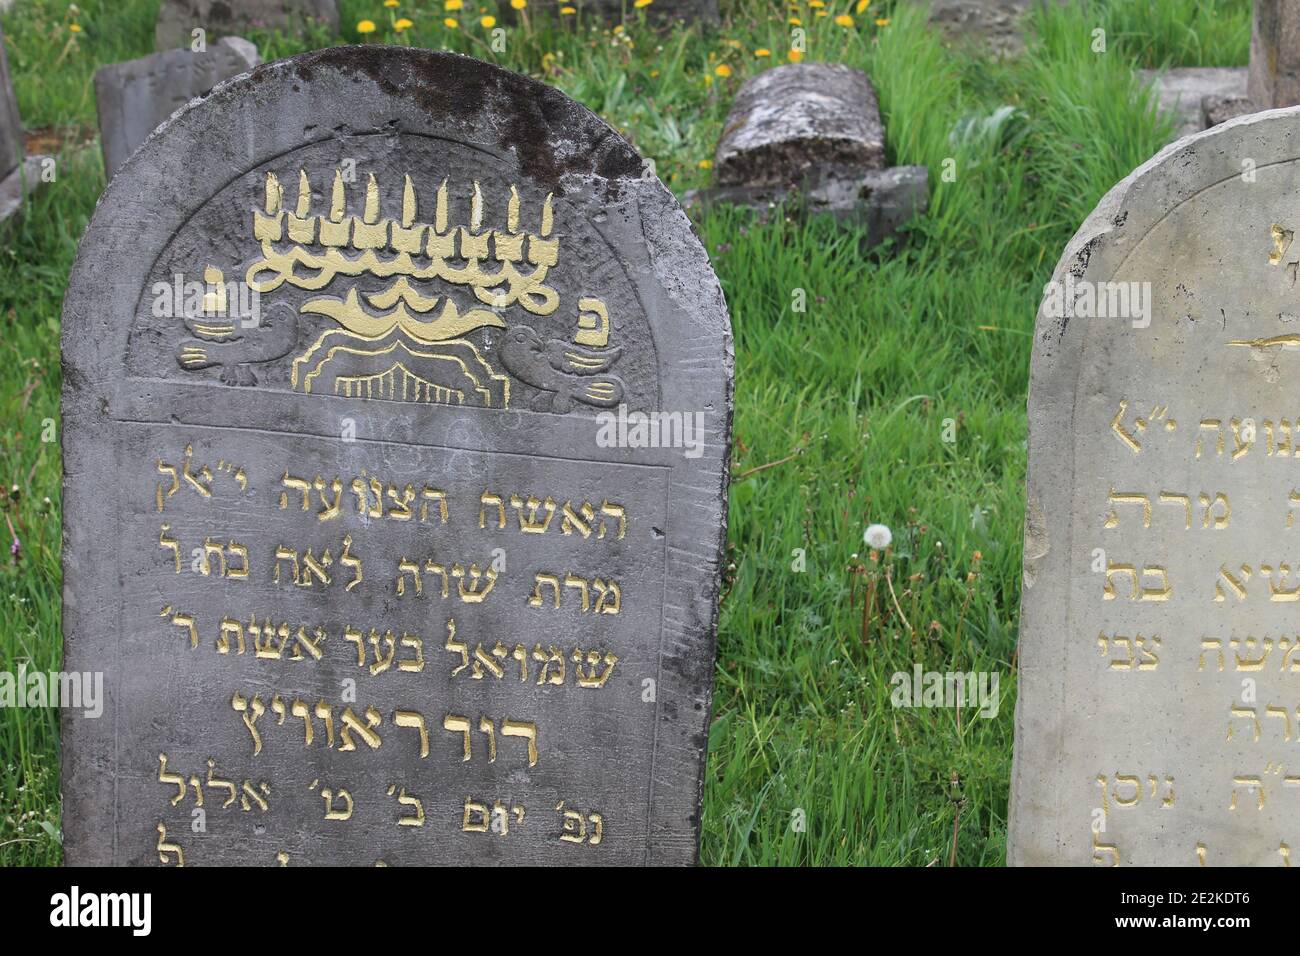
842 409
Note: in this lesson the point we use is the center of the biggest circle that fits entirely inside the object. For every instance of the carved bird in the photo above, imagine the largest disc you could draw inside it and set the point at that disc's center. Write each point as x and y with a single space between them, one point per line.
235 348
563 371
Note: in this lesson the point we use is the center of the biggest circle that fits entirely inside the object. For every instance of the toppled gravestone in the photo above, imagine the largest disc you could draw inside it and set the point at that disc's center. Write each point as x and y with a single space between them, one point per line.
177 19
19 175
807 137
134 97
796 116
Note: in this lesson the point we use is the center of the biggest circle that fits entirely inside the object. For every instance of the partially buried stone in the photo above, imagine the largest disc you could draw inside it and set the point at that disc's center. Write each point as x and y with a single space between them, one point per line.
178 19
877 201
793 117
396 411
134 97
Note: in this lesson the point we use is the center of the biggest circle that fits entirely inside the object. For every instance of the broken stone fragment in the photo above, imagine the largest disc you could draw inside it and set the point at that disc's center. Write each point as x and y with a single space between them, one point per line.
793 117
1181 91
1220 109
878 201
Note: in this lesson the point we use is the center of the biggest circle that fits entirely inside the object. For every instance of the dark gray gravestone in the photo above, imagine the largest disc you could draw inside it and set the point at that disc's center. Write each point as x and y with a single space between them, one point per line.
134 97
386 565
177 19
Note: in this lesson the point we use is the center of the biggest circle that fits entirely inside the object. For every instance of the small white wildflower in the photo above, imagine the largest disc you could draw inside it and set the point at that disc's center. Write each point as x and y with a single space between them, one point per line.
877 536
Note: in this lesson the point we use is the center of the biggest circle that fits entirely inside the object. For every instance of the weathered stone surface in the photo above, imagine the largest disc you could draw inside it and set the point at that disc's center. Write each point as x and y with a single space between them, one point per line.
1220 109
790 118
1179 92
134 97
524 677
878 201
177 19
616 11
1275 54
1158 549
11 127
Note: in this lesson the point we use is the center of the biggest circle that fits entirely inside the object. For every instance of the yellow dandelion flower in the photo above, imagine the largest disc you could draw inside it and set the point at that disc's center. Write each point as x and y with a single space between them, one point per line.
816 4
706 164
74 27
882 22
451 23
653 74
518 4
642 3
403 24
844 20
488 22
762 51
568 11
723 70
366 26
390 3
453 5
820 13
796 56
795 21
708 79
862 6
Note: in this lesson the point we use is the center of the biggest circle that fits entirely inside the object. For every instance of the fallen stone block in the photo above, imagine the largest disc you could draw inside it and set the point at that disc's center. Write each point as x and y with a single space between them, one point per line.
790 118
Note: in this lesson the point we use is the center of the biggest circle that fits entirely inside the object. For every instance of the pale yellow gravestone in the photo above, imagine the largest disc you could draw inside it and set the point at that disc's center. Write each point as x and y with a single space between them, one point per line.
1158 720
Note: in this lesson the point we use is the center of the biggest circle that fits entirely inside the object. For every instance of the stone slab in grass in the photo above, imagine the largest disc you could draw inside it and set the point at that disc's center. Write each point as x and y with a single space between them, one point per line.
134 97
877 201
178 19
994 24
396 414
790 118
1180 92
1157 706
